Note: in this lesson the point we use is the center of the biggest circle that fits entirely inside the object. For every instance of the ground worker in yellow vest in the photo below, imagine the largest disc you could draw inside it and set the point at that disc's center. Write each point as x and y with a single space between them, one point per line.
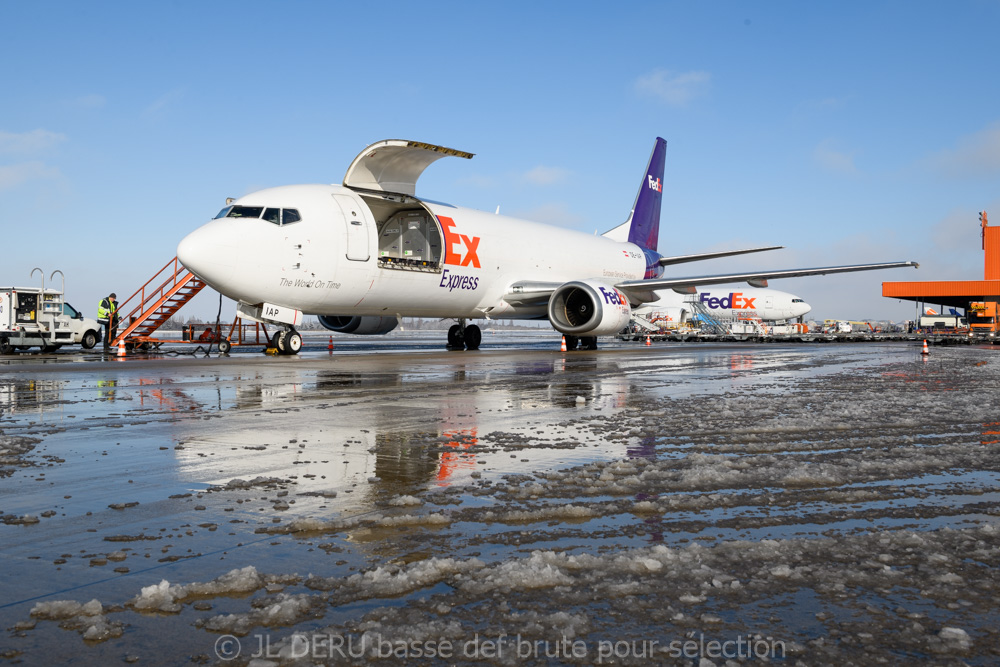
107 316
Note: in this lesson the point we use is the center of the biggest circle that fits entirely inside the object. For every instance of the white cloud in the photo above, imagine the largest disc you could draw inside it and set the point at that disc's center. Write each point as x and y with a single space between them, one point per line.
834 160
29 143
674 89
542 175
977 154
13 175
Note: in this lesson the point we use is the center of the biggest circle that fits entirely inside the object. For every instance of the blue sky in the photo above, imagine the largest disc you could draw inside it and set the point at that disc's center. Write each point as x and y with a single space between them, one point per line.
848 132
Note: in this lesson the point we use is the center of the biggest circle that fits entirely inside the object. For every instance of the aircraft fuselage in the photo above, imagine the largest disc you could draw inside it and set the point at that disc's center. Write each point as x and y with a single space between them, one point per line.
352 253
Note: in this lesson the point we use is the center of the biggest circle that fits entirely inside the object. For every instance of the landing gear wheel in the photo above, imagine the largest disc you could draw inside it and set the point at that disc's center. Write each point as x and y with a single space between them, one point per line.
456 337
473 337
293 342
5 346
589 342
278 342
571 343
225 346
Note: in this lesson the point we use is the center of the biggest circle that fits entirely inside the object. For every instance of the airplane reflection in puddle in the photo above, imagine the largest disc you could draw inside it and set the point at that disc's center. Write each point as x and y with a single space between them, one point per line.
391 433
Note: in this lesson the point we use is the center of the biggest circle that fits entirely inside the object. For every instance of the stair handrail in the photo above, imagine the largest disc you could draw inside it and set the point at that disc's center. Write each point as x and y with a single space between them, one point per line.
157 292
141 320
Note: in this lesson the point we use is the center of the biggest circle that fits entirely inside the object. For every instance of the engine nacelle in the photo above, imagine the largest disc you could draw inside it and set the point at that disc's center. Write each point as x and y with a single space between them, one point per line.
360 326
588 308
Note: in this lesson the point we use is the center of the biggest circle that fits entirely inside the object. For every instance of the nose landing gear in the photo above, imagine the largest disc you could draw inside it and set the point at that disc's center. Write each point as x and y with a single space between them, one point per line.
287 342
464 337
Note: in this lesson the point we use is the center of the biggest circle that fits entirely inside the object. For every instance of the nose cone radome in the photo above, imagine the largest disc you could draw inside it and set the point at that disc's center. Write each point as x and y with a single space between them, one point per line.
208 253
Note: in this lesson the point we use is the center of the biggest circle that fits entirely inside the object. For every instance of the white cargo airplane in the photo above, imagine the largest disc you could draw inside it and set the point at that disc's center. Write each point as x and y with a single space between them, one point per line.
769 305
363 254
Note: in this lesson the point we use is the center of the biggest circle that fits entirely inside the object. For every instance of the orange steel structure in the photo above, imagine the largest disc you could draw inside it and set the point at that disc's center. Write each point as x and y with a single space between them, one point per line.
156 301
163 295
984 293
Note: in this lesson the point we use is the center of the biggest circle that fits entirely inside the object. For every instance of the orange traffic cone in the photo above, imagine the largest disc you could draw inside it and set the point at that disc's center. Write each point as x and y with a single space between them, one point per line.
647 340
330 346
562 348
121 348
925 350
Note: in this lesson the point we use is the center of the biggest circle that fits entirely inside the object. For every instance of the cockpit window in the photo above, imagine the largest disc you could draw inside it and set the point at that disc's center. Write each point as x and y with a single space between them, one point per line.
797 301
273 215
245 212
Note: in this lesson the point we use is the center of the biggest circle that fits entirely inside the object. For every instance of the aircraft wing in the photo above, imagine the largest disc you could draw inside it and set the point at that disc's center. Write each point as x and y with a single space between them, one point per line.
680 259
641 291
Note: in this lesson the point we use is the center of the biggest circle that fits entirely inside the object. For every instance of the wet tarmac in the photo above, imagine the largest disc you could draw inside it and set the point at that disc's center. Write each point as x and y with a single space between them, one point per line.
393 503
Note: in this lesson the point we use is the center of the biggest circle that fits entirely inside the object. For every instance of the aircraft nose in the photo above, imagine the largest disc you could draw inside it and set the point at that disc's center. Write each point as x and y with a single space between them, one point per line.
208 253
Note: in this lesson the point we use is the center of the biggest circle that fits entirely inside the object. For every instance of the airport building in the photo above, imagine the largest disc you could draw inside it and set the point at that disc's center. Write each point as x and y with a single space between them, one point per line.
978 298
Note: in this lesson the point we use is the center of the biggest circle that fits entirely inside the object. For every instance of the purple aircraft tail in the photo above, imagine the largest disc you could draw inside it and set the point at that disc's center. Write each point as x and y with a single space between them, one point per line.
645 219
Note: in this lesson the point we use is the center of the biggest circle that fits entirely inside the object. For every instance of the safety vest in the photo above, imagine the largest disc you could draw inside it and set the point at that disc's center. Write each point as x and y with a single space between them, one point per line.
106 309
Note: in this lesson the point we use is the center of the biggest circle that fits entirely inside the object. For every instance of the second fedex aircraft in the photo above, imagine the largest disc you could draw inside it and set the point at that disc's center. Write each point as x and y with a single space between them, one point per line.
363 254
768 305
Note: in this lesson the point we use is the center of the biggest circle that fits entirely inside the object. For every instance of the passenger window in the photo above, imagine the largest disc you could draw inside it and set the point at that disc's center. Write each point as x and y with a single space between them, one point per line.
245 212
289 216
273 215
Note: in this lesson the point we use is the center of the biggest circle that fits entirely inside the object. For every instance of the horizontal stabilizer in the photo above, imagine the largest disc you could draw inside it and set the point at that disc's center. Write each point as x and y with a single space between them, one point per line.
681 259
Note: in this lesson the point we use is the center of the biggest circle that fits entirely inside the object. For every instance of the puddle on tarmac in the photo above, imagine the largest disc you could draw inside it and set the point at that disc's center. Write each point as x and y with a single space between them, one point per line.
841 500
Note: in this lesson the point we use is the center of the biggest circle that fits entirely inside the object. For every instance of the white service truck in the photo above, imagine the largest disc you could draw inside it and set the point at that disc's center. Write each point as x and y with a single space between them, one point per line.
37 317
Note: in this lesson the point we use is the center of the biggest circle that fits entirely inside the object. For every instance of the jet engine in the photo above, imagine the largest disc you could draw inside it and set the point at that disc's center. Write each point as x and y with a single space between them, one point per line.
360 326
588 308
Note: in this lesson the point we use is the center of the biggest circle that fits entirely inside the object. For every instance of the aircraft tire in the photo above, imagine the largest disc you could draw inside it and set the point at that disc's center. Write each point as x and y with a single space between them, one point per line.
456 338
225 346
571 343
279 342
293 342
473 336
589 342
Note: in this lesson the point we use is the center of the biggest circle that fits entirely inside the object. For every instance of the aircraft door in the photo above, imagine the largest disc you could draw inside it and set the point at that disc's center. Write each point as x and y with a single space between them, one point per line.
358 233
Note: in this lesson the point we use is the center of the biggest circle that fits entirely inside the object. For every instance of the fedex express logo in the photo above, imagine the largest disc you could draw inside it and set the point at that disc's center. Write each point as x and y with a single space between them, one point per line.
654 183
613 297
735 300
452 240
452 243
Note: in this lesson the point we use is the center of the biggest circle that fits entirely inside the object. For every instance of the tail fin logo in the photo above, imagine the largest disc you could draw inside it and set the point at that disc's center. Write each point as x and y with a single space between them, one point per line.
654 184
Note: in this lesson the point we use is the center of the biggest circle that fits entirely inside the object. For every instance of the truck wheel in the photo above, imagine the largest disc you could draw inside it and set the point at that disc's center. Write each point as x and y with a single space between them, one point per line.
5 346
225 346
89 339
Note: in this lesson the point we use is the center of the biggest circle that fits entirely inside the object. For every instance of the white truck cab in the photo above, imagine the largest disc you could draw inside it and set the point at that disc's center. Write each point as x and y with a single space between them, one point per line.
37 317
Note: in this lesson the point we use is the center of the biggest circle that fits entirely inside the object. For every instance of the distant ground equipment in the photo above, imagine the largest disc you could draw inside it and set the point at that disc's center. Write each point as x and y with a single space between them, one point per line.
39 317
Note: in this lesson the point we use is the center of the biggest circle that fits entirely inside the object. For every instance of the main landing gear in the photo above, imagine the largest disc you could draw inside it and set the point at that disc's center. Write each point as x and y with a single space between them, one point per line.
584 342
461 337
287 342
